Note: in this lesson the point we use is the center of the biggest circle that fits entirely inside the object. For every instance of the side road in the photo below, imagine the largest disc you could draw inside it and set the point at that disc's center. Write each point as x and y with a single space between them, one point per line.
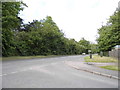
81 65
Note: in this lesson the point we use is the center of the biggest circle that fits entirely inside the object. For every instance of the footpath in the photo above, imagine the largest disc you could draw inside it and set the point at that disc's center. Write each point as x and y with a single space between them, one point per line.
92 68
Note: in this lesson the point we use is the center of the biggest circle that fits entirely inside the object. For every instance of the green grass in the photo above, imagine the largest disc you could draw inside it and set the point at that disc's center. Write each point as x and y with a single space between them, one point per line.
25 57
111 67
99 59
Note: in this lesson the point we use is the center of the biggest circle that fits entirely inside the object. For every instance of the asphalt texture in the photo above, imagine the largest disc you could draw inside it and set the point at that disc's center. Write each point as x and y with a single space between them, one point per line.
51 73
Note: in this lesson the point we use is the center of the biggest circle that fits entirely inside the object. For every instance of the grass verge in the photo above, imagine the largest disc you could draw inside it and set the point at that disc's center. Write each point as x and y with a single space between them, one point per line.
25 57
111 67
97 58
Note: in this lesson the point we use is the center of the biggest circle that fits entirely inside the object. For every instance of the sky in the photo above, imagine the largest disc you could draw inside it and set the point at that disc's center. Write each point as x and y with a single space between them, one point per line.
76 18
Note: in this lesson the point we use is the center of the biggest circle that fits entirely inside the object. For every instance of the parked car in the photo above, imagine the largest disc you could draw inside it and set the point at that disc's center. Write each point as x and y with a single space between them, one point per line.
83 53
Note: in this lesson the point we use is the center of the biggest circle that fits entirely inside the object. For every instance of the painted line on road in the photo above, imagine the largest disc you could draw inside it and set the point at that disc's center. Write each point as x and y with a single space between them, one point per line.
2 75
31 68
13 72
10 73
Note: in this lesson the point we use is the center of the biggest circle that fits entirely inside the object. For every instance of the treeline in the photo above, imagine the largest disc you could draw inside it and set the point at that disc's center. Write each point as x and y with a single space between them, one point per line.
109 34
36 38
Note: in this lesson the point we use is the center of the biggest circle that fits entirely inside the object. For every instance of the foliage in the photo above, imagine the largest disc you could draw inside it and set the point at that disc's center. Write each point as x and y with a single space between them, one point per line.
10 21
109 35
99 59
35 38
94 48
111 67
85 45
25 57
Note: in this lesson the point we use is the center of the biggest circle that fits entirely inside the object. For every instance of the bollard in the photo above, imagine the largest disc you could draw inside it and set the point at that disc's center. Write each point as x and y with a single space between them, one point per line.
101 54
90 55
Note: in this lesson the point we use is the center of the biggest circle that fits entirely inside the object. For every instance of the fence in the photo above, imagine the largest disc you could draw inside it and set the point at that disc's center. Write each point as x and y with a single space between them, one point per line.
115 53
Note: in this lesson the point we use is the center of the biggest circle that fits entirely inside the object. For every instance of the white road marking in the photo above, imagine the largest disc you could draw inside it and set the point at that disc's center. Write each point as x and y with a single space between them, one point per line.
36 68
11 73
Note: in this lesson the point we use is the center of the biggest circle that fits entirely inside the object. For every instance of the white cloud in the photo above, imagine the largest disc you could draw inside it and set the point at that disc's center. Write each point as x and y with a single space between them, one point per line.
77 18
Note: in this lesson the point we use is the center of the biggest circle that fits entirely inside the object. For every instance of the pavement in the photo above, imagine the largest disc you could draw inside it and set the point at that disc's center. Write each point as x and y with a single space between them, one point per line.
93 68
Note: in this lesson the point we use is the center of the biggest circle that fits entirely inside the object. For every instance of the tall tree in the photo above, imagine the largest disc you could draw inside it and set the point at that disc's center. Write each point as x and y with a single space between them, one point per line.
35 38
109 35
10 21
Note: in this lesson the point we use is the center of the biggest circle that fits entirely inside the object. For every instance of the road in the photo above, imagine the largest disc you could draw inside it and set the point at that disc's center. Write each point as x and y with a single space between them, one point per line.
51 73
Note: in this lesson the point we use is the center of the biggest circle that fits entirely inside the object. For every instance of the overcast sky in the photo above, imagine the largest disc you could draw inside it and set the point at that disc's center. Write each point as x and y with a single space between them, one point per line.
77 18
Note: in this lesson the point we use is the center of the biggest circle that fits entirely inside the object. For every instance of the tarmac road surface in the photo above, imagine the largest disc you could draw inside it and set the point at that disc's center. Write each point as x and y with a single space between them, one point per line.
51 73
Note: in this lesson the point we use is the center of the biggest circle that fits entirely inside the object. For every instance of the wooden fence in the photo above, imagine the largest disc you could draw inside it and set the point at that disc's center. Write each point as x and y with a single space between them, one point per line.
115 53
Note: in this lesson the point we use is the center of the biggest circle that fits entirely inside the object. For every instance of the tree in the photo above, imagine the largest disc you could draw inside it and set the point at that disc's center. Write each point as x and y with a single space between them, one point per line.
35 38
94 48
44 36
10 21
109 35
85 45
